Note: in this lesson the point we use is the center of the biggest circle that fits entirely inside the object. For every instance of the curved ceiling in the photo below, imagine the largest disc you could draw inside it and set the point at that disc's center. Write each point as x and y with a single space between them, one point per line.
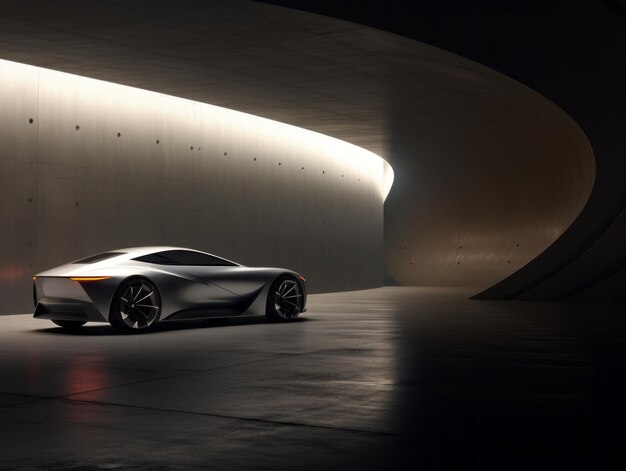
488 173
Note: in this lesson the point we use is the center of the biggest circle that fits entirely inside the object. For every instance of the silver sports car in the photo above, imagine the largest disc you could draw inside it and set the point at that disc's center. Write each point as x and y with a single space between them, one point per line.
135 288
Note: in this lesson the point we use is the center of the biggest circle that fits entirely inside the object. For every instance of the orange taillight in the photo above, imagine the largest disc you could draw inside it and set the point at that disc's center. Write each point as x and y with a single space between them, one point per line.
89 278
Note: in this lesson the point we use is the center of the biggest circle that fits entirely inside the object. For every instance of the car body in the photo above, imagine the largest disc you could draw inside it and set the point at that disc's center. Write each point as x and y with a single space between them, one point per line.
185 283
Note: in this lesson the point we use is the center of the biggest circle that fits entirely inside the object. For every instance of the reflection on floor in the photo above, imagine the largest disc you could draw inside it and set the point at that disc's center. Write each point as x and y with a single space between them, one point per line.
366 380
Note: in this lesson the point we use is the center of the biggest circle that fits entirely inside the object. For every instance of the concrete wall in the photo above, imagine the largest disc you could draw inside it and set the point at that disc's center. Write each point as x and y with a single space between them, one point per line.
104 166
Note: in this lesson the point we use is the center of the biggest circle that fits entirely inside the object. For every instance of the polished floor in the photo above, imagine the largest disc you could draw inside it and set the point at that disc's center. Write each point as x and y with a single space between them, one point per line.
392 378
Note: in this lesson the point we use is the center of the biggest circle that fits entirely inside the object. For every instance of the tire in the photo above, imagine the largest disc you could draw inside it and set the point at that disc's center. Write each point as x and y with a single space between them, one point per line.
70 325
136 306
284 299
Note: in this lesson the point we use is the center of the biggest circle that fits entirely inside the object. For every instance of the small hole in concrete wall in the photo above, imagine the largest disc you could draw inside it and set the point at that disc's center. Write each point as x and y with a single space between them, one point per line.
509 261
157 141
303 169
77 127
342 175
279 164
324 171
460 246
458 263
30 200
254 159
119 134
516 245
225 153
199 148
191 148
31 120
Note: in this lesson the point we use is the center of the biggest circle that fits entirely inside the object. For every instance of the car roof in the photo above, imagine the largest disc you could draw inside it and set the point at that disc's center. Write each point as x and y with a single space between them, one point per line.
138 251
134 252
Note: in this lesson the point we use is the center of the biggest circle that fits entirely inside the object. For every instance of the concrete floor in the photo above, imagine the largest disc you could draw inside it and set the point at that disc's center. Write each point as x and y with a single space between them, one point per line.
365 380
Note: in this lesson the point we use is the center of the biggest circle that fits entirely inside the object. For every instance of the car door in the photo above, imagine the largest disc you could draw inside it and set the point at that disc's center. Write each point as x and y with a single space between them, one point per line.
208 294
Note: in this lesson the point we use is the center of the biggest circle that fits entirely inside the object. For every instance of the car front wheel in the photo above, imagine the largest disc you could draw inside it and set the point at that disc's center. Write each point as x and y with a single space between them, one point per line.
285 298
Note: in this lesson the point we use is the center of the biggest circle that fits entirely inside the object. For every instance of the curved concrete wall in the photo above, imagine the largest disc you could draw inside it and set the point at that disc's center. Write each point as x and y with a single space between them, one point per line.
87 166
487 177
489 173
572 52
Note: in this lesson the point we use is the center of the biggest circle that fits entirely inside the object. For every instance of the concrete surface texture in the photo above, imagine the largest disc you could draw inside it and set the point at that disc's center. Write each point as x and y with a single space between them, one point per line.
364 380
488 172
89 166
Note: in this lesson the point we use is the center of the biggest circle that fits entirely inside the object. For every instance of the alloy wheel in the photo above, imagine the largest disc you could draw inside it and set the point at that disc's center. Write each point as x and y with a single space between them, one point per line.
139 304
288 299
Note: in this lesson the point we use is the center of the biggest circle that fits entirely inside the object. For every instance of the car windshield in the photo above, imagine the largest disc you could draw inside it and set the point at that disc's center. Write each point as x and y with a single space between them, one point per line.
98 257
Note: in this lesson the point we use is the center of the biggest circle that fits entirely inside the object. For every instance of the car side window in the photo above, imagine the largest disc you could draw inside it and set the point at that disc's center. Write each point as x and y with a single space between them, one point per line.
98 257
184 257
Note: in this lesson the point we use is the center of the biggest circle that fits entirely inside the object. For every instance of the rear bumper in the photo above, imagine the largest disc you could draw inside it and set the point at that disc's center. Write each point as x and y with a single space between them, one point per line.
67 310
62 299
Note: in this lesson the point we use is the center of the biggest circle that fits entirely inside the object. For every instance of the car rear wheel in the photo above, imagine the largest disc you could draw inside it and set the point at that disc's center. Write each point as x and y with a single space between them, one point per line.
136 306
284 300
70 325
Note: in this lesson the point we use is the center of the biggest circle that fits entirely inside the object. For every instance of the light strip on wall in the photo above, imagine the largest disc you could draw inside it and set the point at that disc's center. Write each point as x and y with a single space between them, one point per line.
361 162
